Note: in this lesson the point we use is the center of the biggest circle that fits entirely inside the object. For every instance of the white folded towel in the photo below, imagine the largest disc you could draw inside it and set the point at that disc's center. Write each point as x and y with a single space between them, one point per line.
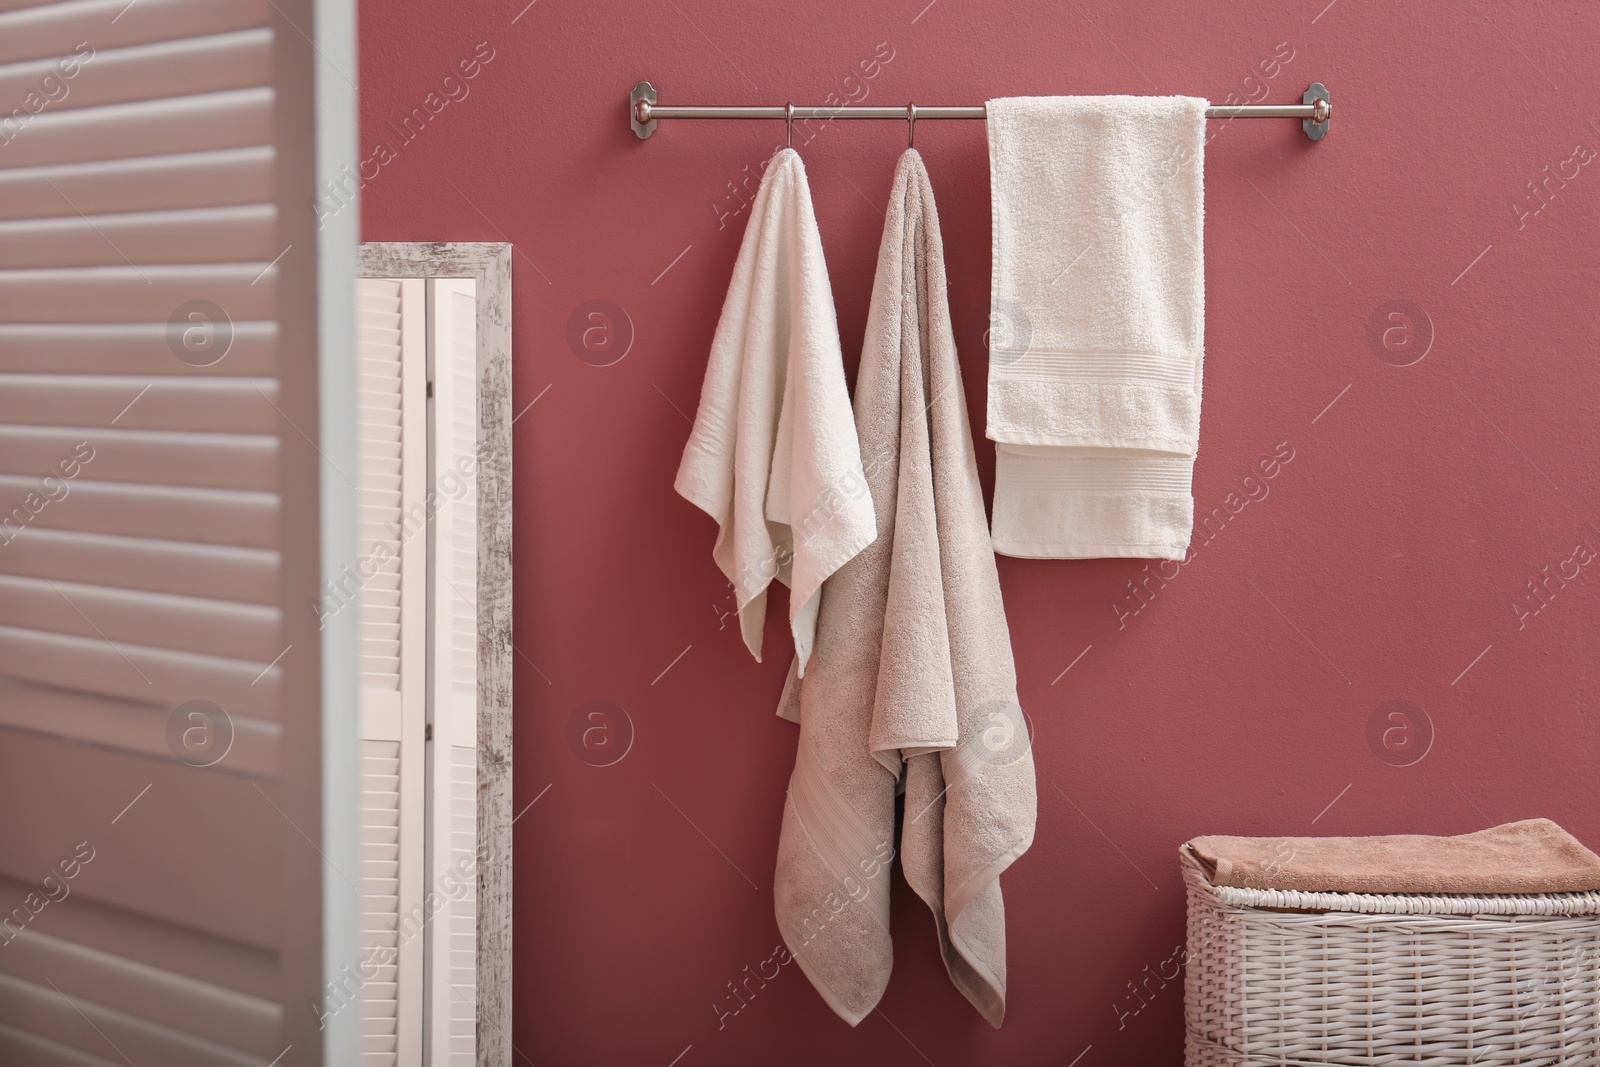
1098 312
773 456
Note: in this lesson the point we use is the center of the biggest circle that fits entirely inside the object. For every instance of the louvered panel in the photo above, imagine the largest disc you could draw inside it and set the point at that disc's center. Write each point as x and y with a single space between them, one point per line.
168 959
454 820
231 119
381 591
148 193
53 29
379 366
463 801
135 294
158 996
47 1013
214 627
390 365
137 349
381 459
232 963
380 847
208 516
147 183
130 725
218 461
165 68
195 236
220 405
19 1047
380 831
138 672
380 600
378 305
247 575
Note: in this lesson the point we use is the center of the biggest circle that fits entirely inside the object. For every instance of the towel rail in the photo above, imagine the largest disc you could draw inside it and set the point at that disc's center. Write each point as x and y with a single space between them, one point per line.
1316 111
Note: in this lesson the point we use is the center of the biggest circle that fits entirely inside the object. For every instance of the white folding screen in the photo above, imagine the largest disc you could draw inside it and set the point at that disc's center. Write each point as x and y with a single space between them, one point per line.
453 808
165 867
418 578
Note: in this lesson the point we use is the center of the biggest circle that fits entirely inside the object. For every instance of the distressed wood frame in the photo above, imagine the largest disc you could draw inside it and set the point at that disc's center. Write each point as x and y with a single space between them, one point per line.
489 264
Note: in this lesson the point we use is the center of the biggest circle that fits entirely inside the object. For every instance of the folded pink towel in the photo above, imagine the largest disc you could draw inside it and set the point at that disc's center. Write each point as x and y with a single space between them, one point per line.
1532 856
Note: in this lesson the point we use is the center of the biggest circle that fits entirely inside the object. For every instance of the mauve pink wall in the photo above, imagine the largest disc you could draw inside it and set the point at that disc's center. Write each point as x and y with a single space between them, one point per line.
1383 564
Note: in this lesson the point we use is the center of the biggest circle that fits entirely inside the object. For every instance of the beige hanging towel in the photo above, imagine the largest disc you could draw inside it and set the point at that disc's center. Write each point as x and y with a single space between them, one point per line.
912 676
773 456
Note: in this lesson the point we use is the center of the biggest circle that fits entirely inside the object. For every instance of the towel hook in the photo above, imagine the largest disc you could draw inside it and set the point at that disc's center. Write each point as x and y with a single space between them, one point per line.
788 125
911 125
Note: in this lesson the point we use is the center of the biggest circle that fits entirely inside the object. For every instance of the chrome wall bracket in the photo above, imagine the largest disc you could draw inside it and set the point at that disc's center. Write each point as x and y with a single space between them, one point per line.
1321 103
643 93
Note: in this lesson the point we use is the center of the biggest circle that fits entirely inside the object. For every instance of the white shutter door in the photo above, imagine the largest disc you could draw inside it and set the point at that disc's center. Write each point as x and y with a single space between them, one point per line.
453 755
392 578
164 854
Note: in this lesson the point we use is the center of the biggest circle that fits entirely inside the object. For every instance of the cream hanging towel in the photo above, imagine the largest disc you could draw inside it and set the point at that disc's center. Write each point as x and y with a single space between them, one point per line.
912 677
773 456
1097 315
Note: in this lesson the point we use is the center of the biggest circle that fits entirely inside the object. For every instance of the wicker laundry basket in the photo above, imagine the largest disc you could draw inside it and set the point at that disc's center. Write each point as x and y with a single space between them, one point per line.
1290 978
